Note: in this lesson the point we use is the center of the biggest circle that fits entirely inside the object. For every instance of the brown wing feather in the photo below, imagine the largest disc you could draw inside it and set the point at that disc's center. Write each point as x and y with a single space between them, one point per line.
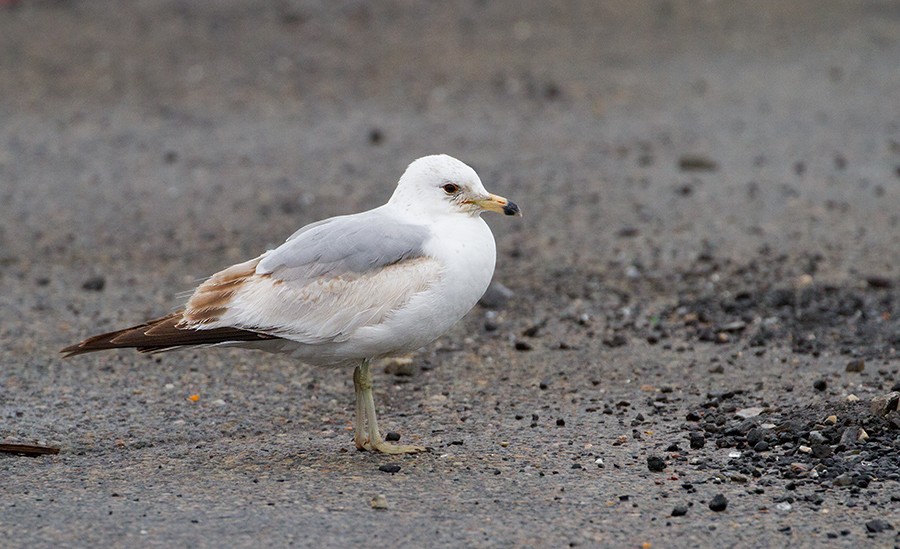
159 335
211 299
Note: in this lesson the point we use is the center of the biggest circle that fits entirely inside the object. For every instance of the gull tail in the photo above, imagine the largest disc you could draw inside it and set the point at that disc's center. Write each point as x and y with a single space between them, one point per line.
162 334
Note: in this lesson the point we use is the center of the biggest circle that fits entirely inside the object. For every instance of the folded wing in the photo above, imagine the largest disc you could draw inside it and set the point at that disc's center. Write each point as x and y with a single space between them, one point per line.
328 280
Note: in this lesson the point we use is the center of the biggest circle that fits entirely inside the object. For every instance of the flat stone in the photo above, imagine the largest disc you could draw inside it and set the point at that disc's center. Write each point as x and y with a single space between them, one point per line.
884 404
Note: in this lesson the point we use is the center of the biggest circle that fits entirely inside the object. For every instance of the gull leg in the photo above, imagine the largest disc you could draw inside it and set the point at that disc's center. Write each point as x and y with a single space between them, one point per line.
375 442
359 435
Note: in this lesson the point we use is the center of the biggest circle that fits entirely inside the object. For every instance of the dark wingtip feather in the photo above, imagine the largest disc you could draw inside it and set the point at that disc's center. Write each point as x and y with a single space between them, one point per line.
162 334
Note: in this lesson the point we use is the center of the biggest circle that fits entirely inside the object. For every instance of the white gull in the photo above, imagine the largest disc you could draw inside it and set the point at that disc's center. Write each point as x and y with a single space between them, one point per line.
349 289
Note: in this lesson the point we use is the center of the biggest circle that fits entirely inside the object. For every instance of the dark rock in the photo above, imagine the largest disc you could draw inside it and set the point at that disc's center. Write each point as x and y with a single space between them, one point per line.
697 163
376 136
719 503
679 511
618 340
820 385
697 440
754 436
94 284
523 346
821 451
628 232
656 464
879 282
878 525
391 436
856 365
390 468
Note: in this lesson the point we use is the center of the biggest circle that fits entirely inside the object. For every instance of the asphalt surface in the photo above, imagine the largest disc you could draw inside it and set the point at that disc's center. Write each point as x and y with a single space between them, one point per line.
706 281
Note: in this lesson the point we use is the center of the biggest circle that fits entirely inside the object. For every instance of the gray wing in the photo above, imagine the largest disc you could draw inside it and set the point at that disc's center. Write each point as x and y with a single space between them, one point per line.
345 244
324 283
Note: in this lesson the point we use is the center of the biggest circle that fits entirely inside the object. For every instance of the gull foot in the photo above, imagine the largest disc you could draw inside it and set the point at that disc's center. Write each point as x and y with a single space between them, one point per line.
388 448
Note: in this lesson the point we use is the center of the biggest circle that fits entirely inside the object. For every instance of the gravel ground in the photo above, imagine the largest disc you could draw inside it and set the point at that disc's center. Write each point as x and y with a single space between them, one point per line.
700 348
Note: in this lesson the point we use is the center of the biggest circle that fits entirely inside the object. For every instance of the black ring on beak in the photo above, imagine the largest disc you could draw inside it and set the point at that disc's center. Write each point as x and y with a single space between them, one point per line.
511 209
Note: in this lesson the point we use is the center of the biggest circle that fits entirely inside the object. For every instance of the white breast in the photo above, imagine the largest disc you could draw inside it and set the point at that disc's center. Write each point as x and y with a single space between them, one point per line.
468 253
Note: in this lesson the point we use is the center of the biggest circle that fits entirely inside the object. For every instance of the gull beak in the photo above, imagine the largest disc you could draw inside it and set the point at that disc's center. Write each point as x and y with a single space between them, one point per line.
498 204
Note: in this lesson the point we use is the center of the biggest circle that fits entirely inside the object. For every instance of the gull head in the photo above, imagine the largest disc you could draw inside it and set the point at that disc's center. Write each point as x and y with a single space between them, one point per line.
439 185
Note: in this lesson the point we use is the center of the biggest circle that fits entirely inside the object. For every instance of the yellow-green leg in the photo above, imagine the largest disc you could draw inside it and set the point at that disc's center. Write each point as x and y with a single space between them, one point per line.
359 434
366 435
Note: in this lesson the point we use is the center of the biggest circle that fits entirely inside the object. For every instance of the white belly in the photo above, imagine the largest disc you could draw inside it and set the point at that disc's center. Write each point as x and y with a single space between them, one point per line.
468 254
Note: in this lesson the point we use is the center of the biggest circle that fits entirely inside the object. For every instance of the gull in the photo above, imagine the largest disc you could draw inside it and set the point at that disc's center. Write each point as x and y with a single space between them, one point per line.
349 289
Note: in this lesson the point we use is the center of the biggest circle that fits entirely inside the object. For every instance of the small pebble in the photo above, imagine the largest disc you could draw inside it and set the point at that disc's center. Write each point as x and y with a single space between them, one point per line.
747 413
376 136
718 503
679 511
820 385
389 468
379 502
523 346
392 436
94 284
496 296
856 365
656 464
697 440
844 479
697 163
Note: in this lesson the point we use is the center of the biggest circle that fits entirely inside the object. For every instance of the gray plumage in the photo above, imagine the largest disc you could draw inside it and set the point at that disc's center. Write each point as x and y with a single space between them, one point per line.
344 244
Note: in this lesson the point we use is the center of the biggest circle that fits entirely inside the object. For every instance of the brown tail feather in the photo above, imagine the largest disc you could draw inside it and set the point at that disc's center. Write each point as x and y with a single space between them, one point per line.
159 335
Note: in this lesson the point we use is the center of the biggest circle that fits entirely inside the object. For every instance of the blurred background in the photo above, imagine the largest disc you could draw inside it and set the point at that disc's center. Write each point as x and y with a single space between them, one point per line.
711 193
632 133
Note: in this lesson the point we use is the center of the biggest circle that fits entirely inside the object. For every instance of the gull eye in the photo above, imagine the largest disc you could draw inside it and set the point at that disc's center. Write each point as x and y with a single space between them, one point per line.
450 188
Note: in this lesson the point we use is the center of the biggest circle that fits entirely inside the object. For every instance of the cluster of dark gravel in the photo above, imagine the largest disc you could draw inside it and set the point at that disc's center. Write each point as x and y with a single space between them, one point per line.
841 445
753 306
860 319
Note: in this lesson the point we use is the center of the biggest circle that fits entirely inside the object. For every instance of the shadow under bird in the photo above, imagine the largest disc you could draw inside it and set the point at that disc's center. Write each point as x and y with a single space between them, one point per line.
349 289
